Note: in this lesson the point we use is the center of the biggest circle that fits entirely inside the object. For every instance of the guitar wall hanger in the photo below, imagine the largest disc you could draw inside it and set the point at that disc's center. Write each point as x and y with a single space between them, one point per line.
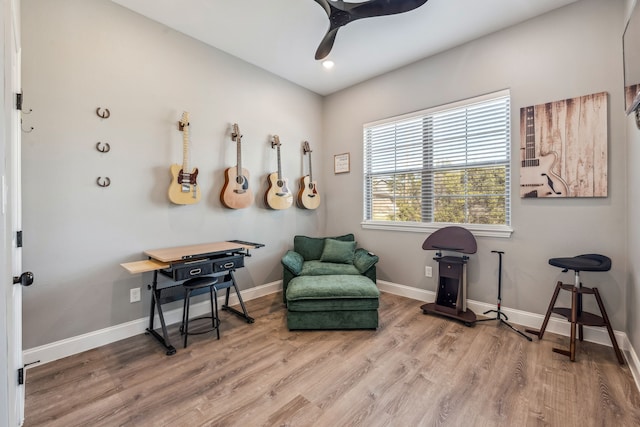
103 148
103 182
104 114
25 130
22 112
19 102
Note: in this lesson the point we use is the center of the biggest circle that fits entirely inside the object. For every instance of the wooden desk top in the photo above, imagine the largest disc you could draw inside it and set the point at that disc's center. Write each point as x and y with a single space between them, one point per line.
137 267
180 253
162 258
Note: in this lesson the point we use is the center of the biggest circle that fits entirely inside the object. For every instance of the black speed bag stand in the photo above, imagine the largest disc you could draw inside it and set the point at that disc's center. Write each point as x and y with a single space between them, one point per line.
500 316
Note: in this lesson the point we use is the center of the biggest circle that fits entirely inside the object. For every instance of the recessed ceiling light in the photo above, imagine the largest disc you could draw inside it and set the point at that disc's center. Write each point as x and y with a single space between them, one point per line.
328 64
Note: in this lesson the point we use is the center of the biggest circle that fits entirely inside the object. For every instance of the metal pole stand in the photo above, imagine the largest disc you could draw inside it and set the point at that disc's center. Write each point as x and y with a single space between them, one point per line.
498 311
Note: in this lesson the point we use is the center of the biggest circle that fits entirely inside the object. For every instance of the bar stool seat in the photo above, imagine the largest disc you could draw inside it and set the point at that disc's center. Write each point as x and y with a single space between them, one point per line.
190 287
587 262
574 314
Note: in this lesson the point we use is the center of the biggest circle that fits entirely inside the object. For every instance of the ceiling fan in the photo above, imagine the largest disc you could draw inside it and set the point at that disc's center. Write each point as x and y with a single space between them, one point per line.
341 13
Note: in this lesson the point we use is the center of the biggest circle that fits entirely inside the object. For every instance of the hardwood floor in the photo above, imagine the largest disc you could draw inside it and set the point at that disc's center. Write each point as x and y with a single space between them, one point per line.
415 370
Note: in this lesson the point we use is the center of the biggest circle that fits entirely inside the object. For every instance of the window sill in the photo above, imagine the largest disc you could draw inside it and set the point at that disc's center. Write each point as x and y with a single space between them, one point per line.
478 230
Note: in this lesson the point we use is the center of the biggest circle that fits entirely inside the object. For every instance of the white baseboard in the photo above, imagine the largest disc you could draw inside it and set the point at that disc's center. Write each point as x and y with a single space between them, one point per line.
634 364
70 346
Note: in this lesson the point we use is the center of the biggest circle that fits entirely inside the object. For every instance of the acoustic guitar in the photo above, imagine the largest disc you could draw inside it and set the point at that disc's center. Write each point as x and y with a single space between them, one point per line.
308 196
184 189
236 193
278 195
537 178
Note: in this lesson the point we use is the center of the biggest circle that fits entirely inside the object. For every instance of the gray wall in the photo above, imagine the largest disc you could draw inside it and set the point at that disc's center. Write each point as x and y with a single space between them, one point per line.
567 53
82 54
78 55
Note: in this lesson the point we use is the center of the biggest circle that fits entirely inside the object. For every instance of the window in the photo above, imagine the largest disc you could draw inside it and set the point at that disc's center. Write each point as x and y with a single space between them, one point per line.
445 165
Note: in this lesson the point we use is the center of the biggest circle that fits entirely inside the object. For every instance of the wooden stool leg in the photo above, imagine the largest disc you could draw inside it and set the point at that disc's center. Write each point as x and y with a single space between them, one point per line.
608 325
573 318
552 304
574 321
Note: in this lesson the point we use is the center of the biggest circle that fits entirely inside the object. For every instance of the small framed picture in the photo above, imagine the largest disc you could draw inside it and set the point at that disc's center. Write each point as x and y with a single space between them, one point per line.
341 163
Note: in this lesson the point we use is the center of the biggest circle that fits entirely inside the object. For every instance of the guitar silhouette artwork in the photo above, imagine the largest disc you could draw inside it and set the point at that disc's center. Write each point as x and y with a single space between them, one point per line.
537 178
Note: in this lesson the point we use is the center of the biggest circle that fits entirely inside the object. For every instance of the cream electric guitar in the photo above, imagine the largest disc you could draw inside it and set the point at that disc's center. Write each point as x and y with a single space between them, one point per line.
537 178
278 195
236 193
184 190
308 196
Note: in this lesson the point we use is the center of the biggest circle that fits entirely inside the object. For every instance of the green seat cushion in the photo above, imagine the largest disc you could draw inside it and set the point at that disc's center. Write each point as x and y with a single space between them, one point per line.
319 268
331 287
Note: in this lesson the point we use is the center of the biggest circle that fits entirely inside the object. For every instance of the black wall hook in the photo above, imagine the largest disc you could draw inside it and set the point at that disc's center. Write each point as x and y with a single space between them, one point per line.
103 148
104 114
103 182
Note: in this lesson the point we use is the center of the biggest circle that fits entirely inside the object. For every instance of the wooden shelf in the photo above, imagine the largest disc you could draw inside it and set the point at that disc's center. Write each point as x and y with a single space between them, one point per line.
137 267
584 318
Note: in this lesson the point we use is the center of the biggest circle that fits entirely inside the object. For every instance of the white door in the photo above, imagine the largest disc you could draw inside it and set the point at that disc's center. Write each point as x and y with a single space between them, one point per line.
11 213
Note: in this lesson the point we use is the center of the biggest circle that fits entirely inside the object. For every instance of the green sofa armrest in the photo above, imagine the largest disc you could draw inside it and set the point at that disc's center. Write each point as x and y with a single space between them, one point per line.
364 260
293 261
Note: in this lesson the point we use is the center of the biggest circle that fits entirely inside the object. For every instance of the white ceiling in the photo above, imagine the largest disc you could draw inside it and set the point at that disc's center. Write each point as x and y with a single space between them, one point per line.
281 36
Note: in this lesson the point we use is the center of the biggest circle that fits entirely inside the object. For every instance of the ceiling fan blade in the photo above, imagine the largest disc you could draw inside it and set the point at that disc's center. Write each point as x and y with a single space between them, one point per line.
327 43
325 5
384 7
341 13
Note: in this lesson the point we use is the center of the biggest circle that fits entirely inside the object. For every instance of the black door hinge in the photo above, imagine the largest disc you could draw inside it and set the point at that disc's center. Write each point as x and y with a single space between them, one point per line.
19 101
21 372
19 239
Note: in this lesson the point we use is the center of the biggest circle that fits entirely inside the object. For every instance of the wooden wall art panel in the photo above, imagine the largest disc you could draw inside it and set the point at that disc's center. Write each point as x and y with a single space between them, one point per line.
563 148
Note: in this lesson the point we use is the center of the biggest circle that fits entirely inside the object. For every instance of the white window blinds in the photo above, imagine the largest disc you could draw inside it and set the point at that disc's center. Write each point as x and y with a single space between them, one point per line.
449 164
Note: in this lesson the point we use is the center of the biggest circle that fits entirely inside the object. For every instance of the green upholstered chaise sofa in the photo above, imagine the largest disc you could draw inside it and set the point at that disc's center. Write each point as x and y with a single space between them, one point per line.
328 283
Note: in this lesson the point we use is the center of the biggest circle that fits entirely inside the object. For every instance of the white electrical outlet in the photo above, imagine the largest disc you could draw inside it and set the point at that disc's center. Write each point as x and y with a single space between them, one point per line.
428 272
134 295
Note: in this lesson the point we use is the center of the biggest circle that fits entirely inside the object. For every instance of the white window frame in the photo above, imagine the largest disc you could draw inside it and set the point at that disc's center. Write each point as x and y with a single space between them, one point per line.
483 230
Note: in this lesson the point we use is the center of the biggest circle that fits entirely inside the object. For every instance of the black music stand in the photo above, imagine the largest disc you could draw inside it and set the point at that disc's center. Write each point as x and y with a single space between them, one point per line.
451 294
498 310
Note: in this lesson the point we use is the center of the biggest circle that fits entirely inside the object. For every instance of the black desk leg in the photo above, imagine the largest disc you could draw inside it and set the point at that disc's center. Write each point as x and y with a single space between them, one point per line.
244 314
155 303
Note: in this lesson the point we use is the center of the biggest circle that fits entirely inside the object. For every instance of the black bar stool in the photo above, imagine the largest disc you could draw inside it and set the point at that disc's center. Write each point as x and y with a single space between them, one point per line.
575 315
190 287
